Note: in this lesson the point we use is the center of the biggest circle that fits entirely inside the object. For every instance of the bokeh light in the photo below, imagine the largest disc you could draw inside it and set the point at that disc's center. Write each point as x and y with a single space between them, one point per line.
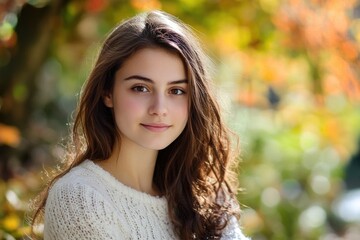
287 73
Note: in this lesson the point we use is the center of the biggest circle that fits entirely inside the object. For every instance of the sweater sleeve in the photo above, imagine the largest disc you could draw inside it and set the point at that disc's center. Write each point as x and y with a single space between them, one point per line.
232 231
76 211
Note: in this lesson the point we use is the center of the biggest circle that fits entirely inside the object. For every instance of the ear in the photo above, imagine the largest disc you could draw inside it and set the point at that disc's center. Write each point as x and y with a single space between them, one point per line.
108 100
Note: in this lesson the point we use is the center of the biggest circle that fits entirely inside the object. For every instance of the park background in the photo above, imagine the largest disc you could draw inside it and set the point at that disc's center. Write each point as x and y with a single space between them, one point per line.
287 73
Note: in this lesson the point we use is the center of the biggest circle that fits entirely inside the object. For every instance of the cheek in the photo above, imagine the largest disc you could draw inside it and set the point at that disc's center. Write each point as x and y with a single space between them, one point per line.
128 106
183 110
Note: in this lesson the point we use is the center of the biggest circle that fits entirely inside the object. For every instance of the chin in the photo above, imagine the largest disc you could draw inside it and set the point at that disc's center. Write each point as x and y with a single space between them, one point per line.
157 146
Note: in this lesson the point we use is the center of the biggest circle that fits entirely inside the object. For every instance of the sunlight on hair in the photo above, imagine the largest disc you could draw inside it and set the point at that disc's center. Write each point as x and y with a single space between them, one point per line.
39 229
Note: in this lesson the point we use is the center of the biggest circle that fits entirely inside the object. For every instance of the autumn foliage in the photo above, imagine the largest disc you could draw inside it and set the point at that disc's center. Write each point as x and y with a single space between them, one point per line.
287 73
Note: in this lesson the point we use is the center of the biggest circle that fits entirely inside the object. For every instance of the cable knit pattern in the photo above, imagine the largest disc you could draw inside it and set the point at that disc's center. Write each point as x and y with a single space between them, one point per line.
89 203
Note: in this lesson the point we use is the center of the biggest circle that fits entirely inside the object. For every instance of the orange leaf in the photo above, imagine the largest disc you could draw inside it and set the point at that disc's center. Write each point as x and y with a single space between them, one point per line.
9 135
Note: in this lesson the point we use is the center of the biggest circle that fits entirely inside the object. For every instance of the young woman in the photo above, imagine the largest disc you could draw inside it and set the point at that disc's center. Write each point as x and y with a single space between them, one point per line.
151 152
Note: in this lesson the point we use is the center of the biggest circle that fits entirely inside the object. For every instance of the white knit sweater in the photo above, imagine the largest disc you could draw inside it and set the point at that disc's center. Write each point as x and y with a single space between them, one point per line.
89 203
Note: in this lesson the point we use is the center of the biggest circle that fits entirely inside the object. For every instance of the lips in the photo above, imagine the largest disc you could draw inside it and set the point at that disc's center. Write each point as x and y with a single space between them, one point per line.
156 127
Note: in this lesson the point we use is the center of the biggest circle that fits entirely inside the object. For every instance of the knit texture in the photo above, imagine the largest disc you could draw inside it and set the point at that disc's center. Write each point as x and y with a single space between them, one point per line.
89 203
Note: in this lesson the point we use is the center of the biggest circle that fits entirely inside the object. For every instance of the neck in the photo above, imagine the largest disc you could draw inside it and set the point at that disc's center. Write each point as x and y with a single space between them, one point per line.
132 165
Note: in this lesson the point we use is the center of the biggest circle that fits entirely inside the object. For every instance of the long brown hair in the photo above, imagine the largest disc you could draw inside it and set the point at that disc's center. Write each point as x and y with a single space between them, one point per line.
192 172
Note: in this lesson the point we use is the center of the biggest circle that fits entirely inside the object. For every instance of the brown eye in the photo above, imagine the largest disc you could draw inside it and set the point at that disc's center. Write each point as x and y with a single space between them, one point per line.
177 91
140 89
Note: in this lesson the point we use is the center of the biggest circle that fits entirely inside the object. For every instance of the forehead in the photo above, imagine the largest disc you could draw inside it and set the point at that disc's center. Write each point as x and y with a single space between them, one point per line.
154 63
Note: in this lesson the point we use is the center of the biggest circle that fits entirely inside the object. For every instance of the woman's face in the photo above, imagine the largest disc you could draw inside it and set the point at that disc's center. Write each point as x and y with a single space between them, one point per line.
150 98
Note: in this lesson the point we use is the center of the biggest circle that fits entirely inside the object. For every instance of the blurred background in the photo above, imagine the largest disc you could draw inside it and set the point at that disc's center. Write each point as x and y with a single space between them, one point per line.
288 73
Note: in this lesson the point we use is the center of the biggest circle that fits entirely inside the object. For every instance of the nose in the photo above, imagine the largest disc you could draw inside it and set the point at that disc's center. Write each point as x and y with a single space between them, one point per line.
158 105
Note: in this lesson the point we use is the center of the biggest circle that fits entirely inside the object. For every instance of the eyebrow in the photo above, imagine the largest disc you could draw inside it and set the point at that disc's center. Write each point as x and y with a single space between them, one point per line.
145 79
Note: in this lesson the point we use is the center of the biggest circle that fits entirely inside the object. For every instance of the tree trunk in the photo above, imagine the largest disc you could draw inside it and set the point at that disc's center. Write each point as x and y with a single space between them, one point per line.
35 29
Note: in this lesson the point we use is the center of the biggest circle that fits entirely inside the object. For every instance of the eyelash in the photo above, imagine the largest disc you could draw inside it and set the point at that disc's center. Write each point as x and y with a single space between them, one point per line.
177 89
144 89
140 89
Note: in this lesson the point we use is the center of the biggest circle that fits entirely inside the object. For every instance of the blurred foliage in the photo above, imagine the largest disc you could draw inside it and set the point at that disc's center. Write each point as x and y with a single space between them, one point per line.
14 202
288 72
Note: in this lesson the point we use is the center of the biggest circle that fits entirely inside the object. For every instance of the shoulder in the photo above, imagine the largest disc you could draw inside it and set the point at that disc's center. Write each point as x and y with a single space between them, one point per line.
79 186
78 190
69 190
232 231
75 205
82 178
